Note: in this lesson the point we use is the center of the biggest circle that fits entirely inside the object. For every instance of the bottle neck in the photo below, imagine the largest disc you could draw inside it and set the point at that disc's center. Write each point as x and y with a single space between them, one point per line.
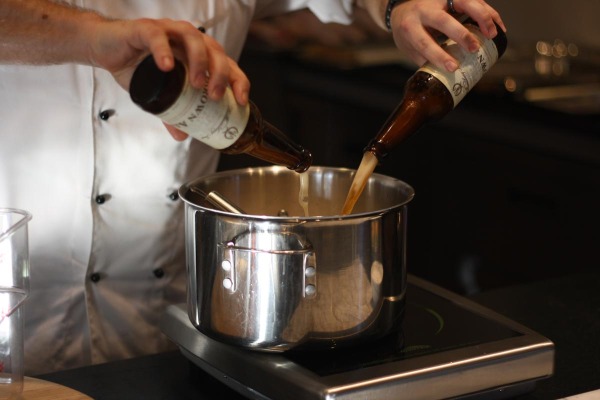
405 120
425 99
278 148
264 141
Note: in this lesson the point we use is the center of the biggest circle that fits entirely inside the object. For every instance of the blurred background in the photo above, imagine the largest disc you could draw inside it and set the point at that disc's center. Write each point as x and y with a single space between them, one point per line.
507 185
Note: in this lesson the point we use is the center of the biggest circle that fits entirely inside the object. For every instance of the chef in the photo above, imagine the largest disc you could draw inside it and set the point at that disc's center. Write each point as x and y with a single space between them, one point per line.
100 176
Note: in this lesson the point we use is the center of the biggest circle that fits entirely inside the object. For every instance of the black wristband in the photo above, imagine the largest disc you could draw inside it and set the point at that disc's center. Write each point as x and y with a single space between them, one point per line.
388 12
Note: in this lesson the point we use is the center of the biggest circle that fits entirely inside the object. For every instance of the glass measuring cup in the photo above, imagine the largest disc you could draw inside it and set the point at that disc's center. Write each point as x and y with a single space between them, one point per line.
14 289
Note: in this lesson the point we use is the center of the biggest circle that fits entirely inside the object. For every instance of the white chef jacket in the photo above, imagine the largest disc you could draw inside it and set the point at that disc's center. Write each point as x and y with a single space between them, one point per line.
100 177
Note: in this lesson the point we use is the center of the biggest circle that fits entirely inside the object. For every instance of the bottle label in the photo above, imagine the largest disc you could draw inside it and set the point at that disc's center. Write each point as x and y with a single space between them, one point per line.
471 66
216 123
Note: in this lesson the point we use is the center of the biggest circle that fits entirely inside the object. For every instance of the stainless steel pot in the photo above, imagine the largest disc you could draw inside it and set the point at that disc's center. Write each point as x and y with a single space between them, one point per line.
273 278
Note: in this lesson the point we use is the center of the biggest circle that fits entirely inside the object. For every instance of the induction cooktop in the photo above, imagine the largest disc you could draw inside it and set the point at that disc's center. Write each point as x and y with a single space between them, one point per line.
448 347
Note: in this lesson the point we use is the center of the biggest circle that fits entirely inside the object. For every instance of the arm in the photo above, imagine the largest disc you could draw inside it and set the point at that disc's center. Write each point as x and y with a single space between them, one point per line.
414 22
42 32
45 32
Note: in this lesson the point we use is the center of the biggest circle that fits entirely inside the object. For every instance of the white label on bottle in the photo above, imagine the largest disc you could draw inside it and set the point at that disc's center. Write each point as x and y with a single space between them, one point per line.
471 66
216 123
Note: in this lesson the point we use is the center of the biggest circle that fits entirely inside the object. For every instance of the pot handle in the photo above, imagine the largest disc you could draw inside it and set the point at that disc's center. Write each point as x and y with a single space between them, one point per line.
275 248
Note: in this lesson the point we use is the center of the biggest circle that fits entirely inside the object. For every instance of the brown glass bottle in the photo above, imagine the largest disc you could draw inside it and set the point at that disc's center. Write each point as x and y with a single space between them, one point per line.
431 93
224 125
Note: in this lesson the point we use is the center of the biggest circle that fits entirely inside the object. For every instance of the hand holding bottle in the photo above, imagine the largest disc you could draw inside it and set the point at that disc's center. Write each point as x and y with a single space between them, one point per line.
223 124
122 44
118 46
415 25
429 95
166 40
44 32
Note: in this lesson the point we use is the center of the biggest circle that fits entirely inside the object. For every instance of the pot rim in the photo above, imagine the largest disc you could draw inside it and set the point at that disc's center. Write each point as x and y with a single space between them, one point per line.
183 189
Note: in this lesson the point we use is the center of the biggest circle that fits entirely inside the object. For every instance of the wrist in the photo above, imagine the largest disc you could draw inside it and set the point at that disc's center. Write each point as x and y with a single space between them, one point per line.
388 12
92 32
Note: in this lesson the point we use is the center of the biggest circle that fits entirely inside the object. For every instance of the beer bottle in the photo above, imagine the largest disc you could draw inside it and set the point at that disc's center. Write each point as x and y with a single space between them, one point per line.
223 125
431 93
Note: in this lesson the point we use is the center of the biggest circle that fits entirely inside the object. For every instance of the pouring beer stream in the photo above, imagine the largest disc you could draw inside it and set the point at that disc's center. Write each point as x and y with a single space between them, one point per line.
365 170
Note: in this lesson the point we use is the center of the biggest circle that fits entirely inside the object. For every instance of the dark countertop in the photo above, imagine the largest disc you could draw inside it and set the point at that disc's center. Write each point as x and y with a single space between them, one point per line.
565 310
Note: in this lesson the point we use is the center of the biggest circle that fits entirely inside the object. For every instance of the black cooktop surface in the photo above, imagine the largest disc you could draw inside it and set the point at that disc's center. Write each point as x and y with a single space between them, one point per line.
431 324
448 347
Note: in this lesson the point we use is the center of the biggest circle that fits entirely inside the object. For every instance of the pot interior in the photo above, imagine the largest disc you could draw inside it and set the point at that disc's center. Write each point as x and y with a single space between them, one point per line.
277 192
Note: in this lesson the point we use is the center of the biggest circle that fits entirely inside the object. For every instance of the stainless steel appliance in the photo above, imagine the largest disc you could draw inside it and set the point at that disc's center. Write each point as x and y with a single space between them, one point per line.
448 347
292 271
